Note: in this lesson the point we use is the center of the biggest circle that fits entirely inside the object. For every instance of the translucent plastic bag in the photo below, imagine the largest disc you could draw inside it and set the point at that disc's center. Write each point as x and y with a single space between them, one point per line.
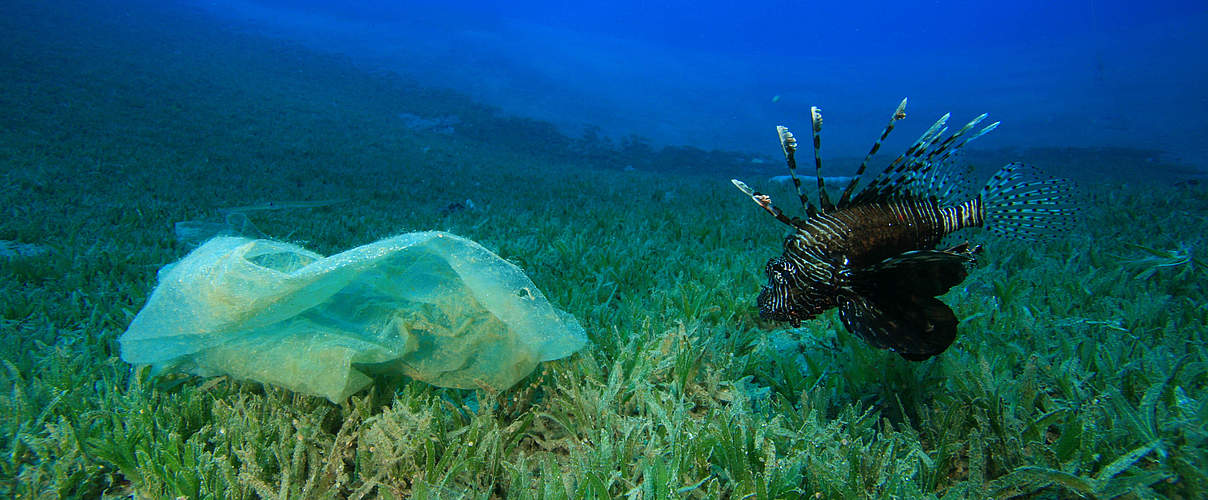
437 307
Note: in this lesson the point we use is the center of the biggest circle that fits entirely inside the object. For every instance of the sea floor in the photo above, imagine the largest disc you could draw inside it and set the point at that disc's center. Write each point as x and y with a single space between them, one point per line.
1081 367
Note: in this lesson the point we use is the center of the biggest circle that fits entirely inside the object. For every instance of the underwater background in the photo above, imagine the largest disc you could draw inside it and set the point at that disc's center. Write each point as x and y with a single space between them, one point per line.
592 146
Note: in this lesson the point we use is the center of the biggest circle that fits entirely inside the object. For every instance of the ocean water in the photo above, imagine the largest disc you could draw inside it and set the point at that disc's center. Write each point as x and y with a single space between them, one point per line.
1087 74
592 146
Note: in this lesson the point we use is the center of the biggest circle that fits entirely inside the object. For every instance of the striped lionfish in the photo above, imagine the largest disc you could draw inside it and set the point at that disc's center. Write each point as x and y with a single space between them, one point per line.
874 253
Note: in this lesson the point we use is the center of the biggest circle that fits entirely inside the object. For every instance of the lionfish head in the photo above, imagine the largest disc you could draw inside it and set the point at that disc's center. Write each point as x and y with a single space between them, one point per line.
792 295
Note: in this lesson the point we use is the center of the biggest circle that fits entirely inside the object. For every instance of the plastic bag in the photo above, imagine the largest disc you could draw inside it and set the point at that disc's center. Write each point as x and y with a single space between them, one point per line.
437 307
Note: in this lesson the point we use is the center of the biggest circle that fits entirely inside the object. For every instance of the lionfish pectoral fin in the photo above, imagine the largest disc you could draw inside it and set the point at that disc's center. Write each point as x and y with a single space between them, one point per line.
865 319
966 249
892 304
915 327
923 272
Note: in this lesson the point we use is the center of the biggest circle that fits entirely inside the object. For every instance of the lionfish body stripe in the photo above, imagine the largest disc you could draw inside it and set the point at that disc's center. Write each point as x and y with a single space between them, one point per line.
875 253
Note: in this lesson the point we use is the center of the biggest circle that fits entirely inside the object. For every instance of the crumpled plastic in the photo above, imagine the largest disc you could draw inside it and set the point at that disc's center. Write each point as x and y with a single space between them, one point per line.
434 306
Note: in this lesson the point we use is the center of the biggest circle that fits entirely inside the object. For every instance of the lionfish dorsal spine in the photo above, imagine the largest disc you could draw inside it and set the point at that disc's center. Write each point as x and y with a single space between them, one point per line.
985 130
924 173
943 147
921 144
824 201
788 144
762 200
898 114
885 183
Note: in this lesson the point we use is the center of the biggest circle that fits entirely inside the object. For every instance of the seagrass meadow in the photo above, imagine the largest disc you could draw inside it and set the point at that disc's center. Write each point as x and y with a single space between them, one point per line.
1081 368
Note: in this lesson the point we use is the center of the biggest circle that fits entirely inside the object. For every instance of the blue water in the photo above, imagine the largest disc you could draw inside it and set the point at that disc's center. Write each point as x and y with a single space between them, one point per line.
1076 74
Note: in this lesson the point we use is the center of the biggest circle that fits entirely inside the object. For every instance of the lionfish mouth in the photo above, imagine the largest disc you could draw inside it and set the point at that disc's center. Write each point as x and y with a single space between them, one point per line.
768 302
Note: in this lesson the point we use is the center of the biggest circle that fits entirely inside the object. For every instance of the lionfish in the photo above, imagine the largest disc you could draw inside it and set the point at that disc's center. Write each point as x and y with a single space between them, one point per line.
874 253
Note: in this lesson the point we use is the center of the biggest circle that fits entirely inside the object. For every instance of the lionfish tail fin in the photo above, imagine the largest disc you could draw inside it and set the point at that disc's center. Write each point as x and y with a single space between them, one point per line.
1023 202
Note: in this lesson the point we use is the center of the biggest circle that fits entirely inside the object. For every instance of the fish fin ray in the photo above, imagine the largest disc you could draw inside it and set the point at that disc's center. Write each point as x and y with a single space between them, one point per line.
1023 202
915 327
898 114
927 170
892 304
920 272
